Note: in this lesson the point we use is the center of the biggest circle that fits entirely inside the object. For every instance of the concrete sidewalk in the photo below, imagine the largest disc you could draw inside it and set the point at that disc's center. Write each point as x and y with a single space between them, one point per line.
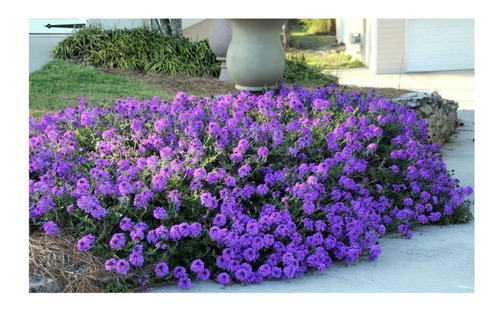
451 85
438 259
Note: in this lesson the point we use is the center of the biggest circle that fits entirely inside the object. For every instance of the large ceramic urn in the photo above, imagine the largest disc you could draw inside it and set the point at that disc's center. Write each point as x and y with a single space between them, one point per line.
219 38
255 57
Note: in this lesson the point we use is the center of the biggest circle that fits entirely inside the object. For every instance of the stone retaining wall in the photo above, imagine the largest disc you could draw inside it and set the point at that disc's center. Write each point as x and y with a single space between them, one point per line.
440 114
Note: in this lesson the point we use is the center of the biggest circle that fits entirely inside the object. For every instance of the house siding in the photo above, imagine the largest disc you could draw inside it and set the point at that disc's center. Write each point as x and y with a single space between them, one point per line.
198 30
116 23
391 46
370 48
346 27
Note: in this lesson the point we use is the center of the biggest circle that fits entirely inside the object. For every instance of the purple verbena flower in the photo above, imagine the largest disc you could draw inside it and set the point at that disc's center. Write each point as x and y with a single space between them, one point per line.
262 189
136 259
161 269
160 213
117 241
223 278
220 220
51 228
244 171
179 272
110 264
230 181
204 274
184 283
196 229
126 224
197 266
91 205
85 242
263 152
208 200
122 266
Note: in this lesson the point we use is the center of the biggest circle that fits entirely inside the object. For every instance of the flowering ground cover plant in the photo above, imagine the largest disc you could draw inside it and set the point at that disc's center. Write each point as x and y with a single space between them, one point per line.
237 188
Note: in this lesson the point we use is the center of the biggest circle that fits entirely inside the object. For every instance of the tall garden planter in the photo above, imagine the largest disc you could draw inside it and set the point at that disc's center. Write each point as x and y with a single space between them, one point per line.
219 39
255 57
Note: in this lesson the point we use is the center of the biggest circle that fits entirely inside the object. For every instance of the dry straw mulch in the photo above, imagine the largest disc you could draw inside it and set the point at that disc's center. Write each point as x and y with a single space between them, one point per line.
212 86
57 258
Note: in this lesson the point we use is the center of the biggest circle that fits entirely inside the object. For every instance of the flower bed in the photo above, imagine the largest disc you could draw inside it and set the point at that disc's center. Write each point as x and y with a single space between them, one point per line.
238 188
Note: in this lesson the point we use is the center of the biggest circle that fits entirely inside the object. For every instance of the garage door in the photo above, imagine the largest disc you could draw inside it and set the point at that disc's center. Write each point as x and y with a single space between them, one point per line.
439 44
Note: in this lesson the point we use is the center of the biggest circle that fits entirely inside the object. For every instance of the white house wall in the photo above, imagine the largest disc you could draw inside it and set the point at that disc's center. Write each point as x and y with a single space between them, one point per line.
37 25
196 29
119 23
43 40
391 45
370 44
345 28
189 22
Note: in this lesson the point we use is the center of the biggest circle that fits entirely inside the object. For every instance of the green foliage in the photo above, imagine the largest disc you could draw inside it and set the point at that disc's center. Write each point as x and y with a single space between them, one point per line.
331 60
138 49
58 84
298 71
319 26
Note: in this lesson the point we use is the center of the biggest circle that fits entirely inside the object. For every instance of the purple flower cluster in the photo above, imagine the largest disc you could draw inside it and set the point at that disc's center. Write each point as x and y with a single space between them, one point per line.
239 187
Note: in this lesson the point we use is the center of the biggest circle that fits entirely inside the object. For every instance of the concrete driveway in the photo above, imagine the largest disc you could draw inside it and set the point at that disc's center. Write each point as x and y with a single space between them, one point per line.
40 47
451 85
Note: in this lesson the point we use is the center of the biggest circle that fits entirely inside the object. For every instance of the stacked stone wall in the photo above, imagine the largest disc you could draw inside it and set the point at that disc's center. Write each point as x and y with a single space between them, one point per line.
440 114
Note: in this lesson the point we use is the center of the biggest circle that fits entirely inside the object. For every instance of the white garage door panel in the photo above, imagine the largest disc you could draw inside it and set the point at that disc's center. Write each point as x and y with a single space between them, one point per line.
439 44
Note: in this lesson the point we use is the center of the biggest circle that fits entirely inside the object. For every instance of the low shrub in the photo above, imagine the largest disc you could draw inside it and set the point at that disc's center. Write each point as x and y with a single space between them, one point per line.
237 188
298 71
140 49
319 26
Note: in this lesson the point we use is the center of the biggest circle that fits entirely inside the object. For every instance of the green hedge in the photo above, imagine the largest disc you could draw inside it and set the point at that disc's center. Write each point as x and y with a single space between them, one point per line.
319 26
298 71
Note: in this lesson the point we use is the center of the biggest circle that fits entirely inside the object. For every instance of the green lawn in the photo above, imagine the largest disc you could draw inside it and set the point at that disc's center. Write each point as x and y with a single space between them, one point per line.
318 50
59 84
332 60
303 40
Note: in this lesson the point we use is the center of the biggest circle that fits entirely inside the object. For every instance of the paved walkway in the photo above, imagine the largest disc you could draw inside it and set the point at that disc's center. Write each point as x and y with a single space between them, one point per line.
451 85
436 260
41 46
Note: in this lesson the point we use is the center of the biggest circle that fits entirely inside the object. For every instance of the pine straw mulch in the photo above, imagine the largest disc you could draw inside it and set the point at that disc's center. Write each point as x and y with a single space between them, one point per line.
212 86
56 259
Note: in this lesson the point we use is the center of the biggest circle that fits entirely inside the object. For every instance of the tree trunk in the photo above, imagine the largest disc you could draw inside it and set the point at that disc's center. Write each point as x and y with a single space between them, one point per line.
287 35
165 26
176 27
171 27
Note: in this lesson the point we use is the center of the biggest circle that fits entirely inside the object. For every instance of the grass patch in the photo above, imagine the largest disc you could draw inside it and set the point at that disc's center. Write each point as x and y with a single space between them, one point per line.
332 60
327 59
299 70
318 26
320 50
59 84
303 40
